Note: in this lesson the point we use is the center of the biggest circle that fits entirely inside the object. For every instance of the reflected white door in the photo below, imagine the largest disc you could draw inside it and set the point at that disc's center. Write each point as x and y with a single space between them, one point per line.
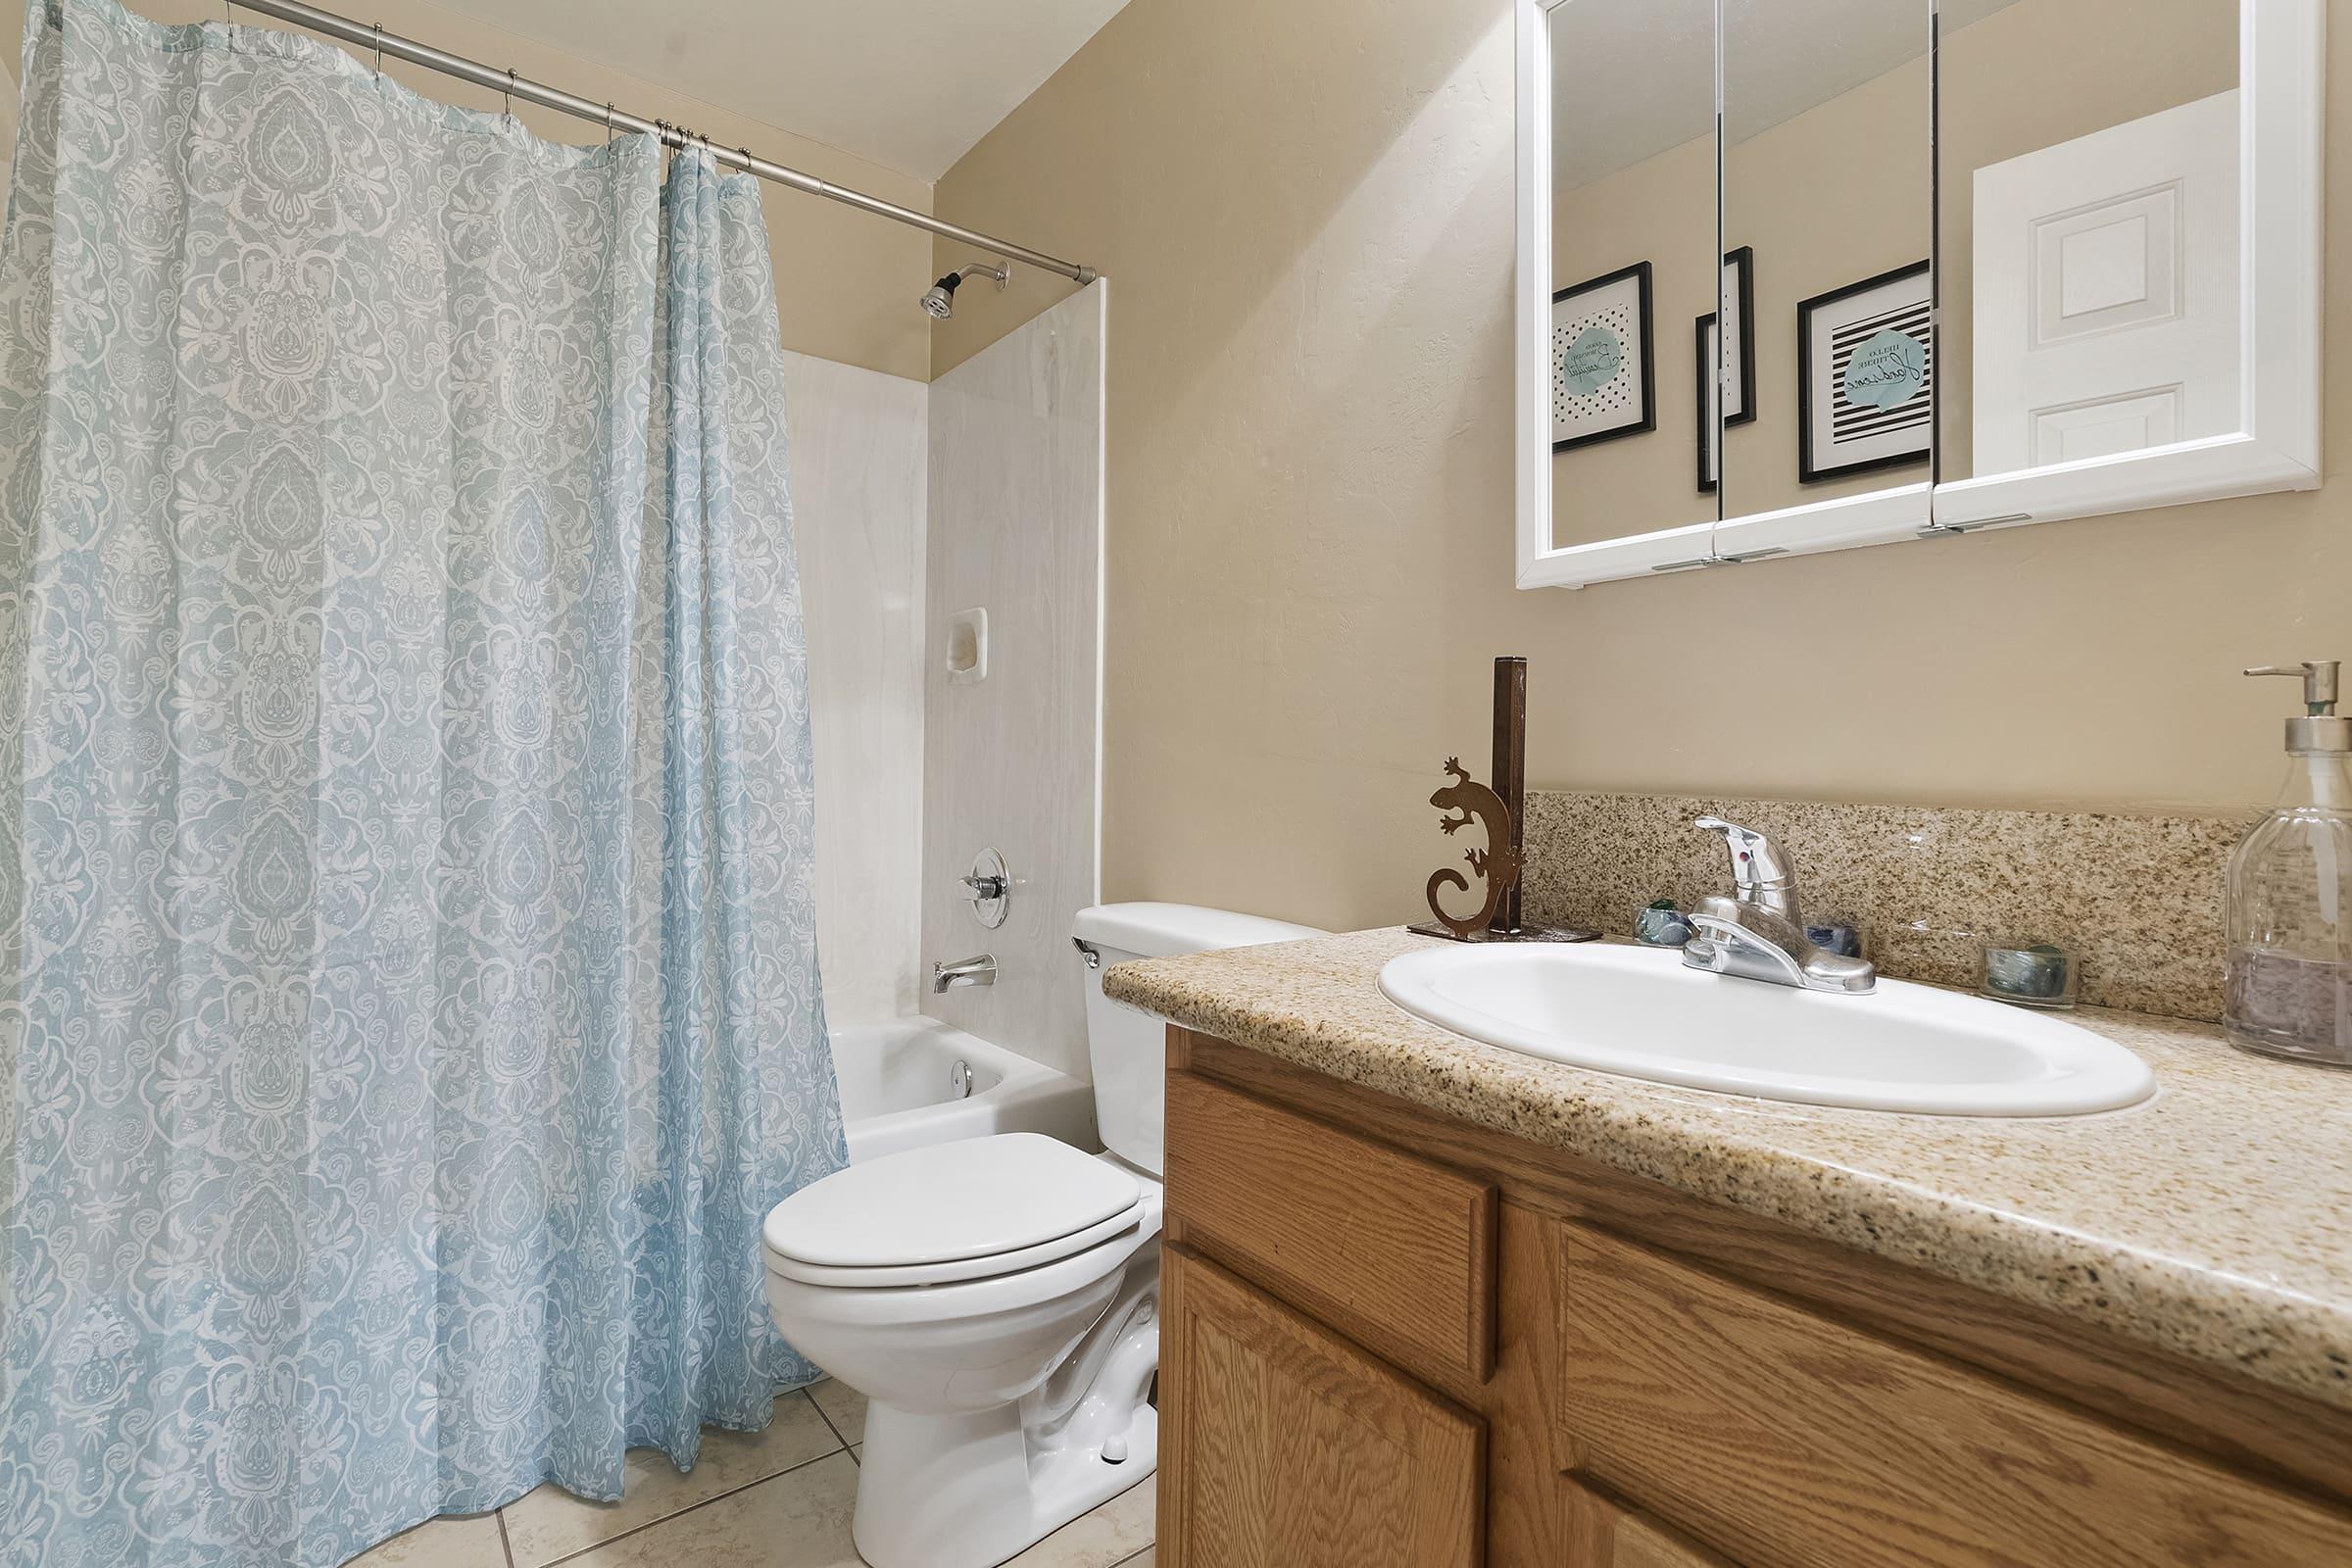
2106 312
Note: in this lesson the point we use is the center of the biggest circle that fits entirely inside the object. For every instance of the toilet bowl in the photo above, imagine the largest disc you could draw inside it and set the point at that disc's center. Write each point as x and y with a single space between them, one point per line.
997 1299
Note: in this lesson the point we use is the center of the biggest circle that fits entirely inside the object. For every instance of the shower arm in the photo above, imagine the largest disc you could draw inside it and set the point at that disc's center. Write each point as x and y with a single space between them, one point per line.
514 85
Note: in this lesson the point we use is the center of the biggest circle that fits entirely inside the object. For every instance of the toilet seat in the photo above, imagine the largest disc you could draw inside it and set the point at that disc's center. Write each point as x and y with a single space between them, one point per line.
958 1271
949 1212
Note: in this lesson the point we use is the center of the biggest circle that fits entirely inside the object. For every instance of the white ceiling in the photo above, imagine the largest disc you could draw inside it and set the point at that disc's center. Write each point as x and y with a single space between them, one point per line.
908 83
1634 77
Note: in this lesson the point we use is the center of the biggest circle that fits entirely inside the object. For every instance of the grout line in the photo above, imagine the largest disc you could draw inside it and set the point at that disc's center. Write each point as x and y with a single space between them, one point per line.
826 1419
656 1524
504 1545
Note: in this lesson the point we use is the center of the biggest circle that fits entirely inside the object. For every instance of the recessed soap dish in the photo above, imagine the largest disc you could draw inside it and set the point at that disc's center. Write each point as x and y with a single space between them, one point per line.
967 647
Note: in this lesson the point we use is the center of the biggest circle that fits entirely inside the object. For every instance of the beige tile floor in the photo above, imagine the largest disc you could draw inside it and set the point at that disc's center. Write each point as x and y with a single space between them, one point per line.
779 1498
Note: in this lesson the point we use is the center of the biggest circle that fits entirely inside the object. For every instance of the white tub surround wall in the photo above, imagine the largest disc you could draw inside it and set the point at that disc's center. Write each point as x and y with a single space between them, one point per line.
858 458
1012 762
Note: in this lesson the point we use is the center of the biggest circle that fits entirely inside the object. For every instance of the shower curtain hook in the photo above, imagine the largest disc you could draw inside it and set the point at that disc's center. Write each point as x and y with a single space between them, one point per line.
379 52
607 122
510 96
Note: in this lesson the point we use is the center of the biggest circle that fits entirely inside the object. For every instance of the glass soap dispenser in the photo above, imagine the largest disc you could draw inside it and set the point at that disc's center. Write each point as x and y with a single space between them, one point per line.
2289 990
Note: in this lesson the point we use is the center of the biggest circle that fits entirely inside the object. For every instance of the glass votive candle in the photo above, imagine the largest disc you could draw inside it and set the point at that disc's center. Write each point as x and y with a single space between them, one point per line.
2038 975
1662 925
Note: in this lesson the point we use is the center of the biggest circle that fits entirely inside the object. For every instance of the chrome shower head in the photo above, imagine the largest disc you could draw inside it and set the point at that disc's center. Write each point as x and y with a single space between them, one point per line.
940 298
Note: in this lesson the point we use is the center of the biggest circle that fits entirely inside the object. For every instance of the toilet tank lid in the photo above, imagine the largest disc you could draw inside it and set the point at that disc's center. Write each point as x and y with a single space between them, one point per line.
1162 930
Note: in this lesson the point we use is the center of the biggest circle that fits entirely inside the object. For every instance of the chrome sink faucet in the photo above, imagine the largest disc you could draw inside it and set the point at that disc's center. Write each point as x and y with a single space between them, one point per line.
980 971
1757 934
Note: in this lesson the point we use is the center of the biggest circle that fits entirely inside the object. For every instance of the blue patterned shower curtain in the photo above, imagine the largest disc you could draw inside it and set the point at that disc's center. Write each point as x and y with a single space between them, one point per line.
406 899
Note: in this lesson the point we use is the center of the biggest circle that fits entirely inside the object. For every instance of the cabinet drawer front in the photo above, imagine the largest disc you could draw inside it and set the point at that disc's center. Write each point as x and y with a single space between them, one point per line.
1395 1251
1285 1446
1788 1439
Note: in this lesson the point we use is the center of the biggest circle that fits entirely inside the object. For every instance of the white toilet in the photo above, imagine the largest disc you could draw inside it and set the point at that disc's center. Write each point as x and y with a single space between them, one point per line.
997 1299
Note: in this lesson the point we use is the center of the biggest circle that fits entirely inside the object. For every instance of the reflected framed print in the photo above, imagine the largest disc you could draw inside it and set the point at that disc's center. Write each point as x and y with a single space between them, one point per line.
1865 384
1601 359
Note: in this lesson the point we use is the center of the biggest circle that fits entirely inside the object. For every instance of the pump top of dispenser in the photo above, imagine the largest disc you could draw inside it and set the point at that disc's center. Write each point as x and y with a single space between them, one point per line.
2318 729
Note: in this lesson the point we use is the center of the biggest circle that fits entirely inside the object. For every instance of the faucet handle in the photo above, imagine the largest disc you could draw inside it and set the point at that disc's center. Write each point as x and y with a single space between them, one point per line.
1758 865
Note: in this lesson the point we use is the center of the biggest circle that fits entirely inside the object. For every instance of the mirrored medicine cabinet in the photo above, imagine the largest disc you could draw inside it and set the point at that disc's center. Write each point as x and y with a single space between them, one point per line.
1809 274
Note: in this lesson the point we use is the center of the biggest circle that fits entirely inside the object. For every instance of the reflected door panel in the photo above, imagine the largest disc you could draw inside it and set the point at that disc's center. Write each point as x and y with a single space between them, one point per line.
2106 291
2090 201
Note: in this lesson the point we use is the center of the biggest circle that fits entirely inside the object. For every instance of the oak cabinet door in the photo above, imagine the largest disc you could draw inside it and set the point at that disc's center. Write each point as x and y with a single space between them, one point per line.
1283 1446
1607 1535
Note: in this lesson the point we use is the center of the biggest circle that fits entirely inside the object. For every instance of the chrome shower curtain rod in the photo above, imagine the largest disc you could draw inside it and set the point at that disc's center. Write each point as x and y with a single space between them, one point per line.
374 38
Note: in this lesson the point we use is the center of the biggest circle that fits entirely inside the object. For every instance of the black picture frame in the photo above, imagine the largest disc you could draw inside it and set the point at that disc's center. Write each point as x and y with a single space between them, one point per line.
1707 481
1808 470
1642 361
1743 262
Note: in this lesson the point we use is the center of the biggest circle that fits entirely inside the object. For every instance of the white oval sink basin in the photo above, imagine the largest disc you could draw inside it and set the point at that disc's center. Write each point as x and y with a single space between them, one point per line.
1639 1013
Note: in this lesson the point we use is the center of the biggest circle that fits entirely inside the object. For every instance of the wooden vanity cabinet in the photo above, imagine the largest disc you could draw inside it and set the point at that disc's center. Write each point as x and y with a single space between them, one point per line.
1390 1338
1299 1449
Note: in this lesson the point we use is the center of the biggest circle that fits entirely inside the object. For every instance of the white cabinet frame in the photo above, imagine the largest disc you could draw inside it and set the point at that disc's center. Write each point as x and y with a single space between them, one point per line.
2281 145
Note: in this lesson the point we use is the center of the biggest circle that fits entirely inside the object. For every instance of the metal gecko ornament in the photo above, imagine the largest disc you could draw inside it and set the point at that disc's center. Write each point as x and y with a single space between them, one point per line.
1463 803
1503 813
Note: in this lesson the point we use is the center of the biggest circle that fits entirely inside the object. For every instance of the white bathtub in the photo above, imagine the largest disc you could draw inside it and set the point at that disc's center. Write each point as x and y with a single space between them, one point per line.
898 1090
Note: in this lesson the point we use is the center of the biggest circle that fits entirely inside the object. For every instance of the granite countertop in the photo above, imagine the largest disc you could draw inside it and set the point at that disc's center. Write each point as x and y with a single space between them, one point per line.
2213 1221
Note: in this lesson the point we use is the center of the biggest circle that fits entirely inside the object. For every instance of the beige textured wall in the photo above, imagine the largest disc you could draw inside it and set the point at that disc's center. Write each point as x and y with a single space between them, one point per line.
846 282
1306 209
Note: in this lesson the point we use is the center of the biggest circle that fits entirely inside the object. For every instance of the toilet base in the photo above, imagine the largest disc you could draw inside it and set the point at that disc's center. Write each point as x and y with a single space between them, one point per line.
966 1491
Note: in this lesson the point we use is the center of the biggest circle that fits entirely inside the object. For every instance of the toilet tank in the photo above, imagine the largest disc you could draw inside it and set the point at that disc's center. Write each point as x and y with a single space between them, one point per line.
1127 1047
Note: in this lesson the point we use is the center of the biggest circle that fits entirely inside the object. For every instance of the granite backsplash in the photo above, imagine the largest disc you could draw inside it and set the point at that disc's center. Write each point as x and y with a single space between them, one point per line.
2137 897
